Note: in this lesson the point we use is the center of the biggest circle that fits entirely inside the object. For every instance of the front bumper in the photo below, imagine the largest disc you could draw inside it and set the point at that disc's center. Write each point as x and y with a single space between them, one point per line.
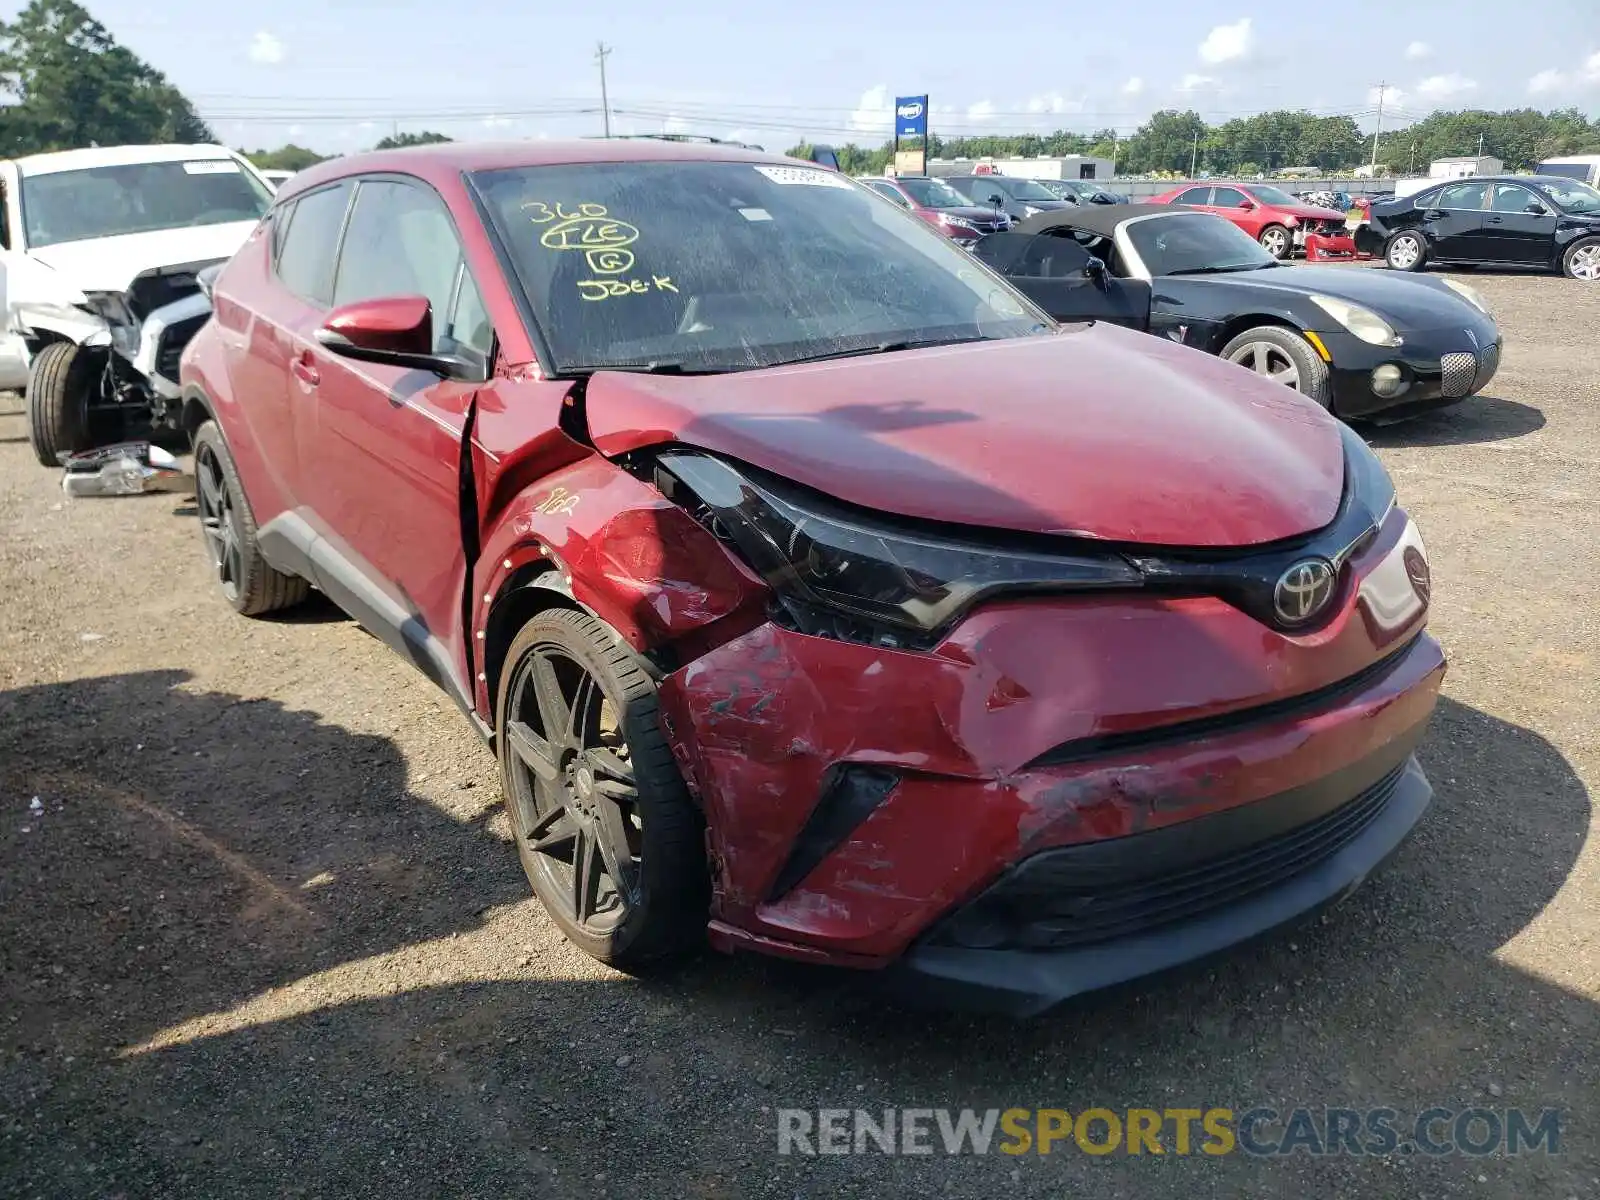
856 796
1440 366
1179 898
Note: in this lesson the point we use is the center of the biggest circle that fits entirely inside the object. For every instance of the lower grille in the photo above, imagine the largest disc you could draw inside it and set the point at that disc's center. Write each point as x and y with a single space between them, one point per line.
173 339
1457 373
1488 364
1047 904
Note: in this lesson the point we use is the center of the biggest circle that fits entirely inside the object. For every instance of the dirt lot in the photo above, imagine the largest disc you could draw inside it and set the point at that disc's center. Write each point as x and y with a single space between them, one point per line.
266 937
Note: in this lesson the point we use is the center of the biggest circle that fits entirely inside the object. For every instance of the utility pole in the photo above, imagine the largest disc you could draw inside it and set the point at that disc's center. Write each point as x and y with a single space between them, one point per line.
1480 145
1194 154
1378 131
601 51
1413 156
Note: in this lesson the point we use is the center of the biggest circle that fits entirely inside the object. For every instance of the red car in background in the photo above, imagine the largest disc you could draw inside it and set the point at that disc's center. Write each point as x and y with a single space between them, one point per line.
814 588
1279 221
940 205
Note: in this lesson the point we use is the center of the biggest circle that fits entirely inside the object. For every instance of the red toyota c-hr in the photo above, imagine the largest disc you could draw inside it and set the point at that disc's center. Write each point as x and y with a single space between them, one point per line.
812 587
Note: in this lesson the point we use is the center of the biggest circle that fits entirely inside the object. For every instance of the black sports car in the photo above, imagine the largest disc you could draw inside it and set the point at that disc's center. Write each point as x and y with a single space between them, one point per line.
1365 344
1490 220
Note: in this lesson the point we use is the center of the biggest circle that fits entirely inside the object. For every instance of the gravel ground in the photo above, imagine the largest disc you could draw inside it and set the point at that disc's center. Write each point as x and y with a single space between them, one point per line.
266 937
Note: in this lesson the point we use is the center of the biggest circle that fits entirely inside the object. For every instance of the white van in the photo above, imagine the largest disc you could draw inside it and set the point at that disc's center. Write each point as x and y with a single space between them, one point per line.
1583 167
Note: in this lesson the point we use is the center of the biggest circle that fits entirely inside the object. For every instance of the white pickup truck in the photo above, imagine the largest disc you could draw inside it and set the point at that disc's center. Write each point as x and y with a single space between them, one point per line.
98 280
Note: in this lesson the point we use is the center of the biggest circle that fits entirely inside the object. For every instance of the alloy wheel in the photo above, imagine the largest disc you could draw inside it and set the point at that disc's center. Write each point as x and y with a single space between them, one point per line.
1275 242
1403 254
1586 262
1269 360
219 521
573 786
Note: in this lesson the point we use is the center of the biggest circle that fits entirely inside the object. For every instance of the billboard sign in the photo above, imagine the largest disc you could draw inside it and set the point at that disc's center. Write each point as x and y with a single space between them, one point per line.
911 116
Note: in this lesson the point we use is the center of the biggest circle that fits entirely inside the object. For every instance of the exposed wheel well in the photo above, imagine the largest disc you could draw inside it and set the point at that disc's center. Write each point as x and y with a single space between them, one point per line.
525 595
40 338
196 412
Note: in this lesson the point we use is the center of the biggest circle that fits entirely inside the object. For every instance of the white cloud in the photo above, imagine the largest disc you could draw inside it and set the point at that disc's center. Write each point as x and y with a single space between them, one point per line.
980 112
874 112
675 124
496 121
1228 43
1444 87
266 49
1195 83
1133 87
1389 97
1417 51
1591 67
1546 82
296 130
1050 102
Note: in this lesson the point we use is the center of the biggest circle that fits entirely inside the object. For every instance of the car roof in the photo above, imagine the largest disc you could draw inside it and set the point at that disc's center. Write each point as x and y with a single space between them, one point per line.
438 161
1101 219
116 156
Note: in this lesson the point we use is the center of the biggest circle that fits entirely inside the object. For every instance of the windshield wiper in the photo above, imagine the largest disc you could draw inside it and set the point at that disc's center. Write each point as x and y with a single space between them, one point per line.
664 366
882 348
1217 270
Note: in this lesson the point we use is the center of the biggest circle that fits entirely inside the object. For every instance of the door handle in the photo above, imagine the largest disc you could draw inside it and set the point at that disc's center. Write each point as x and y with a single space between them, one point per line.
1496 220
305 371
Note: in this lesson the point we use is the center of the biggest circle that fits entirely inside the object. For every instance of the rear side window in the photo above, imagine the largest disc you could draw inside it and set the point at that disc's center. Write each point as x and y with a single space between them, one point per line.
1462 195
307 246
883 189
1199 195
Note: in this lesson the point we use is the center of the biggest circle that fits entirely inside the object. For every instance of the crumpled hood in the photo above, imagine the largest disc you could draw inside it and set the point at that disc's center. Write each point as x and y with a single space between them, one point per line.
111 264
1099 432
1310 212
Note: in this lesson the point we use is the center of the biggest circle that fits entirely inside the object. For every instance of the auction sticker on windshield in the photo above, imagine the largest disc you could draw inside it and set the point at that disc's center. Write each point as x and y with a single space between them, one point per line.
806 176
212 166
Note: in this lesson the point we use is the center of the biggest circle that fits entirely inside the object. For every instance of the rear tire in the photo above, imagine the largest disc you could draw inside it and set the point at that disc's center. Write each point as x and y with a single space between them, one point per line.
1406 251
1276 241
228 528
60 380
600 789
1274 352
1582 260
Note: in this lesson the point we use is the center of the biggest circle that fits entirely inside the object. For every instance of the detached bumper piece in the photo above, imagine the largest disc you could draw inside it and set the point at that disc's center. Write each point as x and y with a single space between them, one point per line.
1332 247
1078 919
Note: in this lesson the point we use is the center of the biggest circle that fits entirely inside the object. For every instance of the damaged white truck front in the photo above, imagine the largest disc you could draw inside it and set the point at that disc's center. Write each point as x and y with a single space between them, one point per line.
104 249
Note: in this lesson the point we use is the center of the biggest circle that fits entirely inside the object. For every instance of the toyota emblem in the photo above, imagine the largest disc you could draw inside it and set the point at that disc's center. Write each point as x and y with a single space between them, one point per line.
1303 591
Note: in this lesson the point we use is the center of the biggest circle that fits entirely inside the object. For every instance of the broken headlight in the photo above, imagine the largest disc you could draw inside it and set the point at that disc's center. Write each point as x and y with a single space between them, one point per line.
111 307
893 587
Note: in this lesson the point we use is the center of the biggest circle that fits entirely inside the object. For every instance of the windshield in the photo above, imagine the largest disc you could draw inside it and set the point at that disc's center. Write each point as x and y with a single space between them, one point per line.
1568 170
101 202
934 193
1025 189
1572 197
1272 195
728 266
1194 244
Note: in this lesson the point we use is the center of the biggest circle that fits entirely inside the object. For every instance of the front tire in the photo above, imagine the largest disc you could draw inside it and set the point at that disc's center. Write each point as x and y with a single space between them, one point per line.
1282 355
609 839
1406 251
61 379
1582 260
227 526
1276 241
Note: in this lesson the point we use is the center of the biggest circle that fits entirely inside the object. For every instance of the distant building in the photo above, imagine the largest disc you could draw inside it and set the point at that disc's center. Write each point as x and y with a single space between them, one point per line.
1067 166
1465 166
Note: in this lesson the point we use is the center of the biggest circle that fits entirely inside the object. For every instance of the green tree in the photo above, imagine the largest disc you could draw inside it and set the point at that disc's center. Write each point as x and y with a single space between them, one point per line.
1164 143
75 86
285 158
400 141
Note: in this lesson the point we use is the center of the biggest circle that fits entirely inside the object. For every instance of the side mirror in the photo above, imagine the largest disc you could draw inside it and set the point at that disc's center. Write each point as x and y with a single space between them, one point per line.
395 331
207 279
1537 209
996 199
1095 269
1247 204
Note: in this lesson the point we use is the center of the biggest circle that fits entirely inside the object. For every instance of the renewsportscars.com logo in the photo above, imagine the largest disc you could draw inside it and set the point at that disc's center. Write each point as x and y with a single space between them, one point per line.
1260 1131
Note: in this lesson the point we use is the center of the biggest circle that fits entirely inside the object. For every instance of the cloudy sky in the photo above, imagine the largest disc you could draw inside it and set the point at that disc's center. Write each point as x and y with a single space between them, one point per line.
338 74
